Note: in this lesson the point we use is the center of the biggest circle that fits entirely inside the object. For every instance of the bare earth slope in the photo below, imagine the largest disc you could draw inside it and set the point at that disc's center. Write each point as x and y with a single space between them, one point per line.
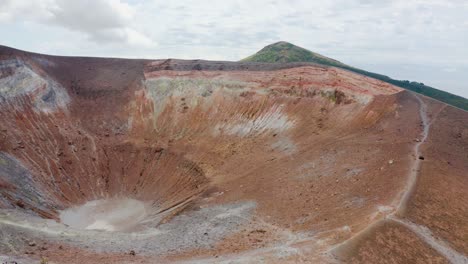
156 161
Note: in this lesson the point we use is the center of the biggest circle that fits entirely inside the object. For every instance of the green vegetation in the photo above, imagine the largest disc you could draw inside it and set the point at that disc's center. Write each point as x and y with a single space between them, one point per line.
287 52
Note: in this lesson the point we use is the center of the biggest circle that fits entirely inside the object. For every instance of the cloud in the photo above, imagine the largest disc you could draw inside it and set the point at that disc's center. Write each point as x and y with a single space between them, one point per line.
87 15
11 10
102 21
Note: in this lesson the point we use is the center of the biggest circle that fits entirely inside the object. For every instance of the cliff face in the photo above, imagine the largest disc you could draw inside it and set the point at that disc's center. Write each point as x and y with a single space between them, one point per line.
207 157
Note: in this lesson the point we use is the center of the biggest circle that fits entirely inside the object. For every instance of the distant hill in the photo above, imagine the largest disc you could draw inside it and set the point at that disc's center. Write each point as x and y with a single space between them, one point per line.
286 52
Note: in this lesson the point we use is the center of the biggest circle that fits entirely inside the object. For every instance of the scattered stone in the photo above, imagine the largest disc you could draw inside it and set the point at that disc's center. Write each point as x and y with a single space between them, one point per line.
259 231
32 243
20 204
132 253
158 149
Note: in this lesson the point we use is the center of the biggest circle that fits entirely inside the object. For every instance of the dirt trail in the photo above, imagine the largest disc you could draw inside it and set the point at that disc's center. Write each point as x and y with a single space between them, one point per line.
400 205
436 243
416 164
401 200
423 232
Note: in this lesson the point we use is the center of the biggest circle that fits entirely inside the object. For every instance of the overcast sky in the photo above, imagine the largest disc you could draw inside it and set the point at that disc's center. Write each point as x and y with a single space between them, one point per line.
421 40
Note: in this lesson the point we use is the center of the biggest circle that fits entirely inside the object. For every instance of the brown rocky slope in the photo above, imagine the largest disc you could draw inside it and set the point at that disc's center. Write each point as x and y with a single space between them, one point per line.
154 161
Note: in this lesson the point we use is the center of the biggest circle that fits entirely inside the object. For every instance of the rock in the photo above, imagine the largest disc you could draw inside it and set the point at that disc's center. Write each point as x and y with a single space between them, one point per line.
20 204
390 162
421 157
32 243
132 252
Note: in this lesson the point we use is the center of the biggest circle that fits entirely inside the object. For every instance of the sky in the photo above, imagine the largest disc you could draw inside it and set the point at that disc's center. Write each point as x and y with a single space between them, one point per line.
419 40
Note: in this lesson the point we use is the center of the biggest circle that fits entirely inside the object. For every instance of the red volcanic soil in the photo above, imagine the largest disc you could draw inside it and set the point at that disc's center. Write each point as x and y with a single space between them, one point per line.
155 161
